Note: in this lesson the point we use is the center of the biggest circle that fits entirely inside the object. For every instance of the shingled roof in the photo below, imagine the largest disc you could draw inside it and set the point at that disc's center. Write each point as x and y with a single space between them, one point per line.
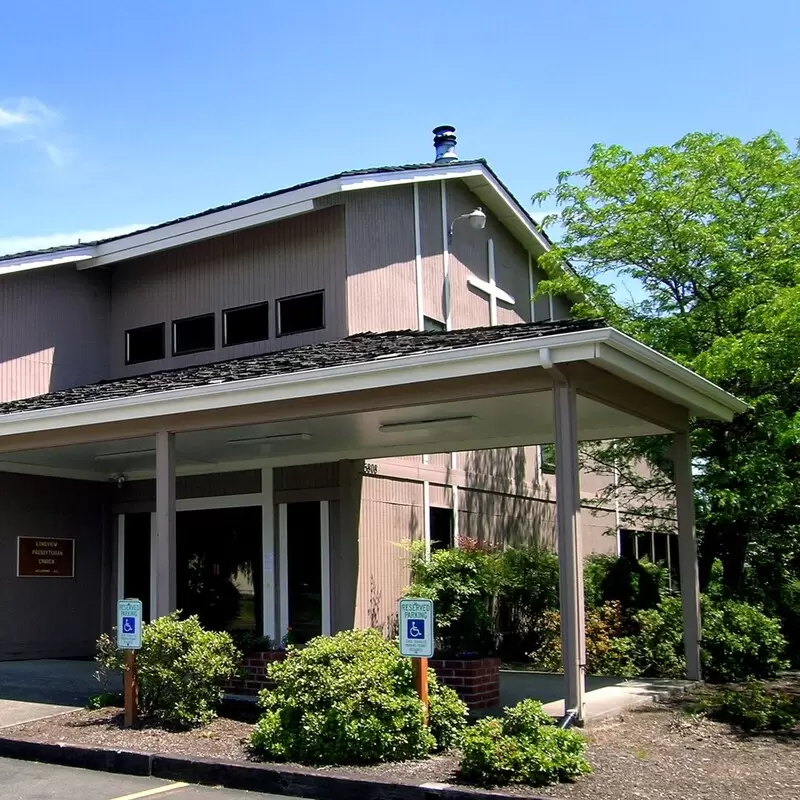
358 349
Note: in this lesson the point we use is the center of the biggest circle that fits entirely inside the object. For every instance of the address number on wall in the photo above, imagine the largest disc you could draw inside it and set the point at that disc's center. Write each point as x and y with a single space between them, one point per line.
370 469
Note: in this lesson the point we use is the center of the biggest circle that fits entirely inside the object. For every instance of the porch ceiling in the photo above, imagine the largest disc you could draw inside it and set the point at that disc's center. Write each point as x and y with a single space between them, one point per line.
505 421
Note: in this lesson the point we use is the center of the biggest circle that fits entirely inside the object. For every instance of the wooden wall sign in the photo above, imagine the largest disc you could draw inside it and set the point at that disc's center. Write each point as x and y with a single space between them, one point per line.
39 557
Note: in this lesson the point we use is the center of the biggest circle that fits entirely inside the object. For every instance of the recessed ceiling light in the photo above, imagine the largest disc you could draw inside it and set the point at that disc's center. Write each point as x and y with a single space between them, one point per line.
423 424
274 439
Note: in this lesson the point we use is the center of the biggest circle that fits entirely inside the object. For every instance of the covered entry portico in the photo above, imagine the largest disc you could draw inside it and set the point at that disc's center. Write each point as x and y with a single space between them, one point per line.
373 396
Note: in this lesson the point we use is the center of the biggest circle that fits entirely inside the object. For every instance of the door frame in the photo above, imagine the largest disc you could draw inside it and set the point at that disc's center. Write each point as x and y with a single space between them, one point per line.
264 499
325 565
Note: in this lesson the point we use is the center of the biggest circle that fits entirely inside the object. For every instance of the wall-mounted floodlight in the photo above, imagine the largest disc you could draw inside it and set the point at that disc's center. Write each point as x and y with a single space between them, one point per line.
477 221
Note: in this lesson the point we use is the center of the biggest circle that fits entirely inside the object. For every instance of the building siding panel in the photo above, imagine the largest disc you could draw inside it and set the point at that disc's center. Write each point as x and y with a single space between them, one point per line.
54 617
53 330
381 283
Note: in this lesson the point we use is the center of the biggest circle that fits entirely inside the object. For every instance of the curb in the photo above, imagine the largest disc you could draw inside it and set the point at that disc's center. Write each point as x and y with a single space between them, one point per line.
254 777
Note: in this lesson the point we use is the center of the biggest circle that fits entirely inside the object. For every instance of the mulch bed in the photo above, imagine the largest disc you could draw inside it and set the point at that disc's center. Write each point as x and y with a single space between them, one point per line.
654 752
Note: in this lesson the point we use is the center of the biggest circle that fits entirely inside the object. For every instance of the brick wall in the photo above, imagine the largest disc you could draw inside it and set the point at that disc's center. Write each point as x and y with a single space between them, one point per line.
254 673
477 680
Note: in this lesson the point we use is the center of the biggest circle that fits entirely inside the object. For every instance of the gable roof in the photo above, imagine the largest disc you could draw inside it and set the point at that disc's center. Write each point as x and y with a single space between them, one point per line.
290 201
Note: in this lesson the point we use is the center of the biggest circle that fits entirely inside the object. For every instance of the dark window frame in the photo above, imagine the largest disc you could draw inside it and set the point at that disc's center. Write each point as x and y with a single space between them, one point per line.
226 311
278 333
207 315
129 331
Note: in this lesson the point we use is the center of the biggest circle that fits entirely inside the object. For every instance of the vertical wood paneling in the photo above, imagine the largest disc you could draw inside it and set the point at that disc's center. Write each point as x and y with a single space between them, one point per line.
381 281
53 330
386 527
293 256
430 206
52 617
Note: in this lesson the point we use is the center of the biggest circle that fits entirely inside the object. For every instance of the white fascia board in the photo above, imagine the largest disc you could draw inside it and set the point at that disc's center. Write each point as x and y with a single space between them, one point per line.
228 220
401 177
25 263
646 367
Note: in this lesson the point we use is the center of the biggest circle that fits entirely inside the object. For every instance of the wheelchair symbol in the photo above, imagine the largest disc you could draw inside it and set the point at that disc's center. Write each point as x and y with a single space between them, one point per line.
416 628
129 624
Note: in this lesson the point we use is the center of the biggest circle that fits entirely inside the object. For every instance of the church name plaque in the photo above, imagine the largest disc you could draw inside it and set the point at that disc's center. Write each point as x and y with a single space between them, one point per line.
45 558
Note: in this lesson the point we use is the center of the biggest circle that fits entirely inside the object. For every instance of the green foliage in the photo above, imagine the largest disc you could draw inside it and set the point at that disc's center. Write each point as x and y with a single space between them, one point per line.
463 584
658 646
522 747
740 642
251 642
349 699
181 668
632 584
104 700
528 591
708 231
753 707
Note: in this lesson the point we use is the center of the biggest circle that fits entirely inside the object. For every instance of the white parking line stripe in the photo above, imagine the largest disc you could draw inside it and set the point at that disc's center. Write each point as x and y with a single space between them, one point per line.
150 792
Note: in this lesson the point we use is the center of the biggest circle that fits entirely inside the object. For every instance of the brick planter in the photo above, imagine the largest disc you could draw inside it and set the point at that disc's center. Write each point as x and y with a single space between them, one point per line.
254 677
476 680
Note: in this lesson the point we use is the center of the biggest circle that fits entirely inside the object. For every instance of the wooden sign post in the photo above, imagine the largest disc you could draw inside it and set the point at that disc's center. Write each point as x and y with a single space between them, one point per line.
129 639
131 686
416 641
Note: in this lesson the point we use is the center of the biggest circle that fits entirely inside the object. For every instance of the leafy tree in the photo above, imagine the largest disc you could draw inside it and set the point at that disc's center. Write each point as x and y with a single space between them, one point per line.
705 235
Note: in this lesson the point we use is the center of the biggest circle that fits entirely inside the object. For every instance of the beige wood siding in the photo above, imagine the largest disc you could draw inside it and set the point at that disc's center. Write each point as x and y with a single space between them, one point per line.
54 617
390 517
381 284
293 256
431 247
53 330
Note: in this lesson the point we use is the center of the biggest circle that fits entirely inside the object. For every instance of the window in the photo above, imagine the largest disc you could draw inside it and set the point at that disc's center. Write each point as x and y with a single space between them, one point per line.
303 312
628 545
144 344
660 548
547 459
245 324
193 334
441 528
430 324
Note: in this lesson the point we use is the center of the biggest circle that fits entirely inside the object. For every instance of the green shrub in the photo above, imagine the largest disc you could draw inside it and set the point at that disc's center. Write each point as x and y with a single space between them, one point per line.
657 648
528 590
349 699
251 642
181 667
739 642
635 585
523 747
754 708
104 700
463 585
595 569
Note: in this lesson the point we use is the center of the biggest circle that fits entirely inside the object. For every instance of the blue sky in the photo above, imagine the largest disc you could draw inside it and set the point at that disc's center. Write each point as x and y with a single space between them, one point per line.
121 114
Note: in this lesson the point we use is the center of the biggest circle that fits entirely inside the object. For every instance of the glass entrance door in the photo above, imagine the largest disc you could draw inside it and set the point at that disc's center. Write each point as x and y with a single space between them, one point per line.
218 576
305 570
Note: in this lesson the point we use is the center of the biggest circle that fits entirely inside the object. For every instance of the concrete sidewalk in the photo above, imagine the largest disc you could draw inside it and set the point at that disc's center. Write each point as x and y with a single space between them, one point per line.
605 696
32 690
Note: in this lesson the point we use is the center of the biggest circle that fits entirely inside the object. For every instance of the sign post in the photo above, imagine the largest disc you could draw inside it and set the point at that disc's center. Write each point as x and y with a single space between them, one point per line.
416 641
129 639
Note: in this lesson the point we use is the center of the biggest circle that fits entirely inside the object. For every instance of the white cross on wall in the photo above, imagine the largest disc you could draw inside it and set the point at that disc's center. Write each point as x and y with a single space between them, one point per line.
491 288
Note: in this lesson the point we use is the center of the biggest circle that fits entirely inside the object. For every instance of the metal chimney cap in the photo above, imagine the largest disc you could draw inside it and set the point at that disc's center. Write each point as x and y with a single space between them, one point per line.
444 140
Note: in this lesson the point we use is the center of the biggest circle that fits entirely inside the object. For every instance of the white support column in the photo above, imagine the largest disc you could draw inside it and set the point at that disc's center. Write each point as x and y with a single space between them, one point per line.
456 533
269 628
120 556
325 565
165 524
687 553
426 517
570 556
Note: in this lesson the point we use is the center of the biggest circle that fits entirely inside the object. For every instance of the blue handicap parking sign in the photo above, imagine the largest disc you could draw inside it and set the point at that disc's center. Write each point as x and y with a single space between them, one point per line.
129 625
415 628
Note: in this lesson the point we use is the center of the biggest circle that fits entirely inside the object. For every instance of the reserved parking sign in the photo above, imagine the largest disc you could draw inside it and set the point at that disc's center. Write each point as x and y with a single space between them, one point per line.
416 627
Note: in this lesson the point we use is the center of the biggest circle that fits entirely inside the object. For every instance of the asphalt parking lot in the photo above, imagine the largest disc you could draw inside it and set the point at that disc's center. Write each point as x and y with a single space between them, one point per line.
28 780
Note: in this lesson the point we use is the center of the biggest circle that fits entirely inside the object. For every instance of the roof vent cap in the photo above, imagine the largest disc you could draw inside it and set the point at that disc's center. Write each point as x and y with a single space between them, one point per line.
444 140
